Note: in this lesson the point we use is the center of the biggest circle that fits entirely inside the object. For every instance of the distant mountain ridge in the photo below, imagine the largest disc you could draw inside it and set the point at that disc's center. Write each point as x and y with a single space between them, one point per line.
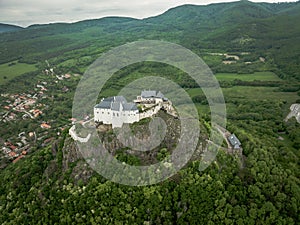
9 28
264 28
261 10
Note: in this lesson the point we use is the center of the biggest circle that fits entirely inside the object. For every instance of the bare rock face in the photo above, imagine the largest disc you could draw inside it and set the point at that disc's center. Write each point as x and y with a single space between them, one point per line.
71 154
68 159
73 160
54 148
141 131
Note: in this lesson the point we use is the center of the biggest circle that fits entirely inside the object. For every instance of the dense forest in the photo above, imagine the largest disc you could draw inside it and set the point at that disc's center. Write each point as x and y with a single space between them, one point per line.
53 184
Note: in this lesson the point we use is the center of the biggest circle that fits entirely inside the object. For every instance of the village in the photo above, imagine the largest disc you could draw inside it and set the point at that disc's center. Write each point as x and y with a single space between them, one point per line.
32 107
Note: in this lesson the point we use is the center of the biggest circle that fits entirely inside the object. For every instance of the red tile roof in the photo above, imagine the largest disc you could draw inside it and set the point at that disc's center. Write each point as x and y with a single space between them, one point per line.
44 125
12 154
12 147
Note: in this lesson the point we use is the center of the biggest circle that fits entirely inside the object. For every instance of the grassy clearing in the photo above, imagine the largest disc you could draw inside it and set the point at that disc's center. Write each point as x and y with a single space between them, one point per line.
68 63
259 93
108 92
194 92
262 76
11 70
247 94
252 93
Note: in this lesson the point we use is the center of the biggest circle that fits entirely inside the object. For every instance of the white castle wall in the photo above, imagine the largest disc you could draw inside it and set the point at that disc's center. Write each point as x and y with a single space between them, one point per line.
103 115
76 138
116 118
150 112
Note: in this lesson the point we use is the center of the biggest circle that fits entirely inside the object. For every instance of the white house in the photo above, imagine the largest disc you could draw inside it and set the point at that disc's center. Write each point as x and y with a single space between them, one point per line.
234 141
116 111
150 97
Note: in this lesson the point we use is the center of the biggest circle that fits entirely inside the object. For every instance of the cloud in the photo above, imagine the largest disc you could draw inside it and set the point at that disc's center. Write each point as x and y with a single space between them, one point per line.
28 12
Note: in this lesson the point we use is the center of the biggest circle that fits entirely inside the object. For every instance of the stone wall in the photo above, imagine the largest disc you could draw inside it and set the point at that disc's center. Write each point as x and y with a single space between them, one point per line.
76 138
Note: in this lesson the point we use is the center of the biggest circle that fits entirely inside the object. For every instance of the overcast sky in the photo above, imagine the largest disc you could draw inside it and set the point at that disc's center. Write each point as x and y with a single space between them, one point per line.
27 12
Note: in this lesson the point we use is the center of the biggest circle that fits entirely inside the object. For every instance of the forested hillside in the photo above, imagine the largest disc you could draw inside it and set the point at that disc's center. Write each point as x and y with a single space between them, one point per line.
264 29
253 50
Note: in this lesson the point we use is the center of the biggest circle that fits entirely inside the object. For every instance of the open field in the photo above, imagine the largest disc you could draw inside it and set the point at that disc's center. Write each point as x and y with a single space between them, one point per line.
252 93
259 93
247 94
11 70
262 76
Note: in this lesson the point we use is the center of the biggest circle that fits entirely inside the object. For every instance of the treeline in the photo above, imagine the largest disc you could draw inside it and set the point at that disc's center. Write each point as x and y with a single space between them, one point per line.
255 83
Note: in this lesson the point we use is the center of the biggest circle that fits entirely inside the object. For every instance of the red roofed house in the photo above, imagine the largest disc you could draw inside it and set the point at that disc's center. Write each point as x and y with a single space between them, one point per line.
46 126
12 147
67 75
12 154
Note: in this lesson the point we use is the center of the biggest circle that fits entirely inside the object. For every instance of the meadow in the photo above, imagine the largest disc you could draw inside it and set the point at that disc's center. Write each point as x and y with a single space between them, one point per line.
246 94
10 70
261 76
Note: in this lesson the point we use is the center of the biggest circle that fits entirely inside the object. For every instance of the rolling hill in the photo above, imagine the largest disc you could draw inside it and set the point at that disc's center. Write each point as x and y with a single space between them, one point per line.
267 29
